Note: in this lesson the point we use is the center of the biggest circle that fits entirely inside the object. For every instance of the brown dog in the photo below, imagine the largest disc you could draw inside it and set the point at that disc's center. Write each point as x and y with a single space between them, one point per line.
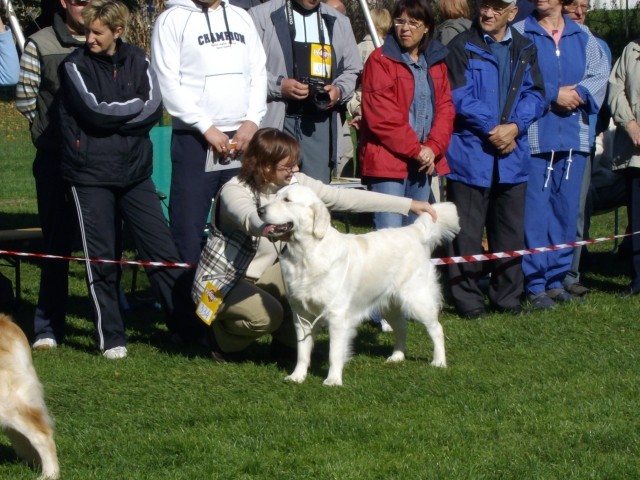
23 413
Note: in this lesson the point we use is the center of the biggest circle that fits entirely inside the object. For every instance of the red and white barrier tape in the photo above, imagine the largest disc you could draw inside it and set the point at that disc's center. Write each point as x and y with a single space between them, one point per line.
436 261
97 260
519 253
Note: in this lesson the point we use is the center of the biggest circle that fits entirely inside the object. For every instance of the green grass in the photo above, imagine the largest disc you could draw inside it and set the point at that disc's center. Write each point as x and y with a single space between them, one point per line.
541 396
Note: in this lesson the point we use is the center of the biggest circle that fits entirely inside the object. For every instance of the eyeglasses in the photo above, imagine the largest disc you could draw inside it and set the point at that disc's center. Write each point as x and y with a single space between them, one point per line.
496 11
574 8
413 25
79 3
287 168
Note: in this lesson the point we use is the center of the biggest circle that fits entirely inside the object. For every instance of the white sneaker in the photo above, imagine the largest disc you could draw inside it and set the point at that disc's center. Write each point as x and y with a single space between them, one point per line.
115 353
45 344
384 326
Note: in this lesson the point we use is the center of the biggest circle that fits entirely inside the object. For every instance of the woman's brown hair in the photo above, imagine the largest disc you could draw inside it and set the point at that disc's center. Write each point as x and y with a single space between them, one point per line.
266 149
420 10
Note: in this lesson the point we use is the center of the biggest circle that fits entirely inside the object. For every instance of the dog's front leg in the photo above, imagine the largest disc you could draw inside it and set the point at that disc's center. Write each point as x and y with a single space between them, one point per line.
437 335
305 345
340 338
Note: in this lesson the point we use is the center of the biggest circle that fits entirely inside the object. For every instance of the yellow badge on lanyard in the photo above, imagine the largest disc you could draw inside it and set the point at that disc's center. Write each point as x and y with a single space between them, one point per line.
209 304
320 60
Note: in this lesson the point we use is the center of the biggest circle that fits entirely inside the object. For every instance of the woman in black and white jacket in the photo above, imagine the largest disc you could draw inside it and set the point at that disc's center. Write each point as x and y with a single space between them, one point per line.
110 102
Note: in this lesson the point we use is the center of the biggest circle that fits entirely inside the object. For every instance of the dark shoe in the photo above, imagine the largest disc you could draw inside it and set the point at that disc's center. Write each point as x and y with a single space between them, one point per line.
577 289
474 314
541 301
513 310
560 295
629 292
217 355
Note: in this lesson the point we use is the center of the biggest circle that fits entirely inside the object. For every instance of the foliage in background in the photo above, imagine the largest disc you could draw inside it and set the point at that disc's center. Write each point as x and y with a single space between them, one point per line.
617 27
612 26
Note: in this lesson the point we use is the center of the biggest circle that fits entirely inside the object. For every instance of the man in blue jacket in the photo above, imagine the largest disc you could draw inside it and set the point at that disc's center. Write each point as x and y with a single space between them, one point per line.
497 92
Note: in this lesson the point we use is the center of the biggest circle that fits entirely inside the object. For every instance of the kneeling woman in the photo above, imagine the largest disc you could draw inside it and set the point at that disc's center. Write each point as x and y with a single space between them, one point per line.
257 304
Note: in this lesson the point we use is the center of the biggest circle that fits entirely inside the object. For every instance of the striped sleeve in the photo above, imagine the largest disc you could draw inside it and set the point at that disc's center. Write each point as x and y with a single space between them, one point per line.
29 81
596 74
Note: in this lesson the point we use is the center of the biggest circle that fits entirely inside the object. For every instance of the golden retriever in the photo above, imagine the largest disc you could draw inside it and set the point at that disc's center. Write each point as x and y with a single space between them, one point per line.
23 413
339 280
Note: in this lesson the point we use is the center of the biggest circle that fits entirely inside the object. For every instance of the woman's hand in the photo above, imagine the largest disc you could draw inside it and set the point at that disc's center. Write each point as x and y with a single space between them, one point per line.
568 98
633 129
426 159
419 207
356 118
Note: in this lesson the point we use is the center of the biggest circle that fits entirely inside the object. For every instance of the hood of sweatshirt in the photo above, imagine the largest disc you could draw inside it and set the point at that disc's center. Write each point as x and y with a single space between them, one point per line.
187 4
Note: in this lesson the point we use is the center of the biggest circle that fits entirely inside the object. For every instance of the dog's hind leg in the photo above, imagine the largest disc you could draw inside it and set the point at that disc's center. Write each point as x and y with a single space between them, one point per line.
427 313
305 337
341 336
397 321
32 438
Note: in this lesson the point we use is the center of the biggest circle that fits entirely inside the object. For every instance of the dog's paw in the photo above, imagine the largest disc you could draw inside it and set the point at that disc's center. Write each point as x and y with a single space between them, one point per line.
332 382
439 363
396 357
295 378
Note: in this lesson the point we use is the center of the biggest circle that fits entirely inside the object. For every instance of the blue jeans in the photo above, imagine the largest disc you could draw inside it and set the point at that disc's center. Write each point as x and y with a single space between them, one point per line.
416 186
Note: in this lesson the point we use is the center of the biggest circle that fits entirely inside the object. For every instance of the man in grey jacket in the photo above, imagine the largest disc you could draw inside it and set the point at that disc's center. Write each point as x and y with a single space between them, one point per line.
37 99
312 67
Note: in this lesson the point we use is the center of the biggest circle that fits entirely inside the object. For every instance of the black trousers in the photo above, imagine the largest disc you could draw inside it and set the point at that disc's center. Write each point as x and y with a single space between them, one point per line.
500 209
59 227
100 211
192 190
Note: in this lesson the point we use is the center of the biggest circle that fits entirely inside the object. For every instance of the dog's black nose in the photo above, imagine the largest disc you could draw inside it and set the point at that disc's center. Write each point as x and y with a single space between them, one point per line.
261 211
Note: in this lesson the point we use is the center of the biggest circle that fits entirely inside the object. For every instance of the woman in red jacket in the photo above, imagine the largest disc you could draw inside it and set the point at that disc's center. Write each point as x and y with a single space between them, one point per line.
407 114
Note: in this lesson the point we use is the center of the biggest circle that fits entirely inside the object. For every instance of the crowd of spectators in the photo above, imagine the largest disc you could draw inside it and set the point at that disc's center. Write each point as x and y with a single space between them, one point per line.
504 107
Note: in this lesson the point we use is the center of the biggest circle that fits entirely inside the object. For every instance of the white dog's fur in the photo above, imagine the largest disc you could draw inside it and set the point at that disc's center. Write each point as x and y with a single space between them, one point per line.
339 279
23 413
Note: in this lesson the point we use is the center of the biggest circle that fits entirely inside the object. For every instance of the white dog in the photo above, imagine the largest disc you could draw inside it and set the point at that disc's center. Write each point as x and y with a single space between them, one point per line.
339 279
23 413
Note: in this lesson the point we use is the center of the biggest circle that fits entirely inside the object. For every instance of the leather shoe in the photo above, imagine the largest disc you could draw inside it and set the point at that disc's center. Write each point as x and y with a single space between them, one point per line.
541 301
513 310
629 292
474 314
216 353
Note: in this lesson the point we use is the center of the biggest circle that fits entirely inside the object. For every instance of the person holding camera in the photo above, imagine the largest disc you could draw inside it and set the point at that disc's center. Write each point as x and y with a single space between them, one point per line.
312 67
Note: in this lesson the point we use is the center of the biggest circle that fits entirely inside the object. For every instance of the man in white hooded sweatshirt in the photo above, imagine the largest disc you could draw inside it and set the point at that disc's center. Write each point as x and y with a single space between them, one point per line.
210 64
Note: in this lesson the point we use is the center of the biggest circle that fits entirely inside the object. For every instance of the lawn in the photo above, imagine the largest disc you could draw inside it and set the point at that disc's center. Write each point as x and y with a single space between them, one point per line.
549 395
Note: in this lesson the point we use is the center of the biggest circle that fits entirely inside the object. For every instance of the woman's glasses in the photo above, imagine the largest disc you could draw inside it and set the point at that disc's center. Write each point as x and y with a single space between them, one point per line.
287 168
413 24
79 3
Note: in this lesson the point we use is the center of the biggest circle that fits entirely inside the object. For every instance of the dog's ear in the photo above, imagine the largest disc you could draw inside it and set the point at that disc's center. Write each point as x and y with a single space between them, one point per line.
321 220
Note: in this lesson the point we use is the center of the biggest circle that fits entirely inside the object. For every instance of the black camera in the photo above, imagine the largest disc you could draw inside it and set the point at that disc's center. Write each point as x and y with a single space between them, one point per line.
318 95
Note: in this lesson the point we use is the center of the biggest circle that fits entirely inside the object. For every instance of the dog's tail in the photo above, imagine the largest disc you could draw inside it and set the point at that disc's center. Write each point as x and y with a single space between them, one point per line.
444 229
